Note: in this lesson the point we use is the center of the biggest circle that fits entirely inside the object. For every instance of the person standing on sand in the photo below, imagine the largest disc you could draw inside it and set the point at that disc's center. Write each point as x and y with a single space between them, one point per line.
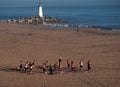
60 60
51 70
77 28
81 64
88 65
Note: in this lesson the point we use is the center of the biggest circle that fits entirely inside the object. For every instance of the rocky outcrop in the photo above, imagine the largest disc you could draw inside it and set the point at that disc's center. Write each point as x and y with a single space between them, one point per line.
32 20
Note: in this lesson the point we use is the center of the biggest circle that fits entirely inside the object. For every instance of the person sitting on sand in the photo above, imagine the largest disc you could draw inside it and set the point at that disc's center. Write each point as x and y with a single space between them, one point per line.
30 66
44 68
72 66
68 63
45 65
26 66
81 64
61 69
56 67
20 68
88 65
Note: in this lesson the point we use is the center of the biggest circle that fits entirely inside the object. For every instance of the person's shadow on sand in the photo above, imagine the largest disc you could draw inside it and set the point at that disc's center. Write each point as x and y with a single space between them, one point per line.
8 68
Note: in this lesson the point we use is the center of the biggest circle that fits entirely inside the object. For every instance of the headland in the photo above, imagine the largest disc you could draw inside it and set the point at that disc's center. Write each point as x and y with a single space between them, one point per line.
32 20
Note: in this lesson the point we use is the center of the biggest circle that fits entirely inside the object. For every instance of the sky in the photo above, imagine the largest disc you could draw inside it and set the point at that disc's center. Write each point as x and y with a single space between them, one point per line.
32 3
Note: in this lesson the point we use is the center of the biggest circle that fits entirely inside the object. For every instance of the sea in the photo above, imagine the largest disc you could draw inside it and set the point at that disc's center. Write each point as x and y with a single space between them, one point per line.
106 17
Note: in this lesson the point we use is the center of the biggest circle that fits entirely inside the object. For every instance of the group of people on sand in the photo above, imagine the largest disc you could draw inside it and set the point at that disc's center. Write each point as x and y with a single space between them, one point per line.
72 66
26 67
52 69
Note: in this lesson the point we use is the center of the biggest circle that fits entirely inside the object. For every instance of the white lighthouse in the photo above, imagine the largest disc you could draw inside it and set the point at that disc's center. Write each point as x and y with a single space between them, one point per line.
40 12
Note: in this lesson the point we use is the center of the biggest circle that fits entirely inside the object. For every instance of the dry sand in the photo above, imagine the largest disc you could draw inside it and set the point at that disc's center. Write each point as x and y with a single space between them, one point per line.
28 42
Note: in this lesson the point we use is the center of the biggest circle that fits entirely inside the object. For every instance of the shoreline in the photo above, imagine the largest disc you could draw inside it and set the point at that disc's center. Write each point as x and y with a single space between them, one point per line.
89 30
64 26
54 22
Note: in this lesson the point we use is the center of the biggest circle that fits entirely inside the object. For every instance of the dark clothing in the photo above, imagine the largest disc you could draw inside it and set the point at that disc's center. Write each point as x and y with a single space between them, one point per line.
81 66
51 71
59 62
89 67
21 66
68 65
44 70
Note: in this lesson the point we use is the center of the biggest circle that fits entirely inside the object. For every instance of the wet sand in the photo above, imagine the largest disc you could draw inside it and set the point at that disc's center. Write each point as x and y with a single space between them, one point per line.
28 42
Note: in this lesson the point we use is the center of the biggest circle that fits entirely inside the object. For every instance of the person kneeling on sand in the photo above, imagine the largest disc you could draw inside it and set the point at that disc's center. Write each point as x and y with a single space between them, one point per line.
68 63
26 66
81 64
72 66
56 68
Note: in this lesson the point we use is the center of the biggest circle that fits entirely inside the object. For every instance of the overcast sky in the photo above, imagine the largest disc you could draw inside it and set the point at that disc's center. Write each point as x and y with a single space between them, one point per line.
20 3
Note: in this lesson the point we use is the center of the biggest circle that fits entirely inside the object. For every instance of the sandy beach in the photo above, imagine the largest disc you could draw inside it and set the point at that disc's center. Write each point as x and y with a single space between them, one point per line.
28 42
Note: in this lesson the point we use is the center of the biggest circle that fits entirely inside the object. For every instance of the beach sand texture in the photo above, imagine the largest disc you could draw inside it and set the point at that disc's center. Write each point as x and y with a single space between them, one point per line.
28 42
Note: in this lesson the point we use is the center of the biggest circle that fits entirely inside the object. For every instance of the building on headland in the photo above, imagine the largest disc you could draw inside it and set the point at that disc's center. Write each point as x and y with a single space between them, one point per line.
40 12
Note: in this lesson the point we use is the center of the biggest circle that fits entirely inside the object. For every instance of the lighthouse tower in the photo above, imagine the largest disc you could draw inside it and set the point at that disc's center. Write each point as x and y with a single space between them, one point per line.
40 13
